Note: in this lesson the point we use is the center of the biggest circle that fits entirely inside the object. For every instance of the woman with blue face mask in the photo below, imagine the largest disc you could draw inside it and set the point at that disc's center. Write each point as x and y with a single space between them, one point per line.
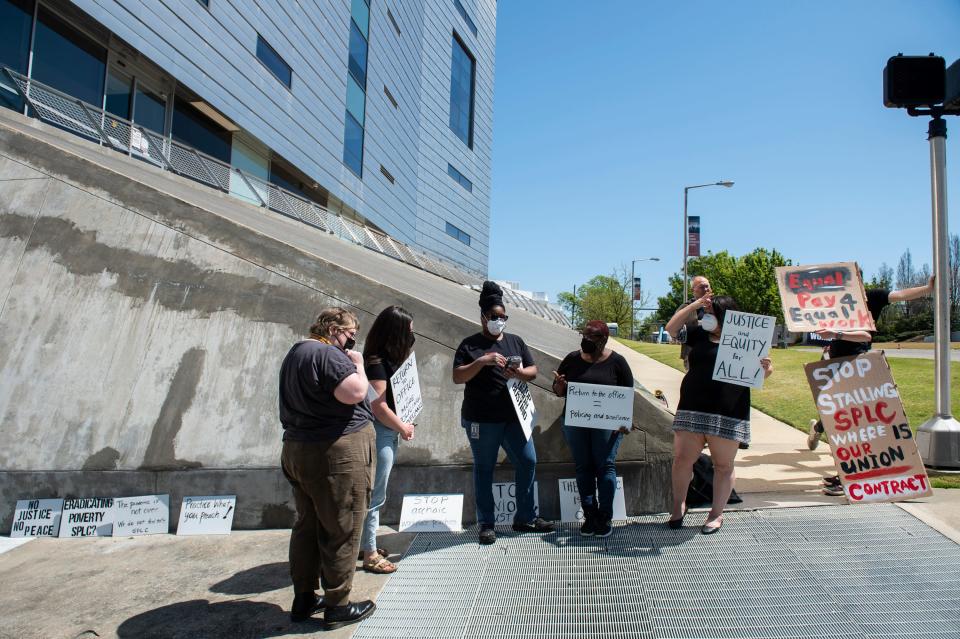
484 362
710 412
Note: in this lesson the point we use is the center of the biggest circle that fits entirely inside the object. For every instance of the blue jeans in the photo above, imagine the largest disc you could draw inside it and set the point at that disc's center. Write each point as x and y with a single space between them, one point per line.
594 453
386 450
485 442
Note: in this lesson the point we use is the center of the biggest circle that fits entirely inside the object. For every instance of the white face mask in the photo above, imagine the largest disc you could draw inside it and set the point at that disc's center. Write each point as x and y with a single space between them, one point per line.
708 323
495 327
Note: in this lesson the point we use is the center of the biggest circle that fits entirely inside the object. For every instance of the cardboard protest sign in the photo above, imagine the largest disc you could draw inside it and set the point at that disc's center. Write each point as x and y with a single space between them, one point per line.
147 515
745 339
505 501
522 404
406 390
824 296
87 517
598 406
207 515
37 518
431 513
570 507
863 417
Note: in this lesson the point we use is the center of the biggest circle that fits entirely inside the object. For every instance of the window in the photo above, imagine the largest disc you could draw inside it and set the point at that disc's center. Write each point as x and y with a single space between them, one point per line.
193 128
387 174
390 97
454 232
358 54
462 76
360 12
393 21
55 42
356 100
353 145
205 3
272 60
149 110
16 20
466 17
459 177
355 118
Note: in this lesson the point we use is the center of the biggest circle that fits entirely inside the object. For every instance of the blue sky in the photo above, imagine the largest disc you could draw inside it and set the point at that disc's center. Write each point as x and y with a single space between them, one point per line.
604 111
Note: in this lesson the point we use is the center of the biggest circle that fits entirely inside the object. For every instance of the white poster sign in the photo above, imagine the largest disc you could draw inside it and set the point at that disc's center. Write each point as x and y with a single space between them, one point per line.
207 515
599 406
406 390
505 501
523 404
745 339
37 518
87 517
147 515
431 513
570 509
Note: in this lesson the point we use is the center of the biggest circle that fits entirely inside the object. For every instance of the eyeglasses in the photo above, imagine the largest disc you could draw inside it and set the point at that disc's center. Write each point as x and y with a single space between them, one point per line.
593 338
494 318
349 332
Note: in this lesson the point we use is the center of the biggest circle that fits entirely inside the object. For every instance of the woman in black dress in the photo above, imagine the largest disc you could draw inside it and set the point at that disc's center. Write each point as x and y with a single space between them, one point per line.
710 412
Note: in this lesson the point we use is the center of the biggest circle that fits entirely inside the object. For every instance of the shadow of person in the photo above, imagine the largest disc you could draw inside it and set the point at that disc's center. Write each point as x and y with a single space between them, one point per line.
631 538
256 580
238 619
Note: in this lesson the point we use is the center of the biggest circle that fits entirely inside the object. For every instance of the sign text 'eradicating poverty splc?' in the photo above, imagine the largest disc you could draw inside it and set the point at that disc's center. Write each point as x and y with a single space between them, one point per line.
599 406
873 446
823 296
744 341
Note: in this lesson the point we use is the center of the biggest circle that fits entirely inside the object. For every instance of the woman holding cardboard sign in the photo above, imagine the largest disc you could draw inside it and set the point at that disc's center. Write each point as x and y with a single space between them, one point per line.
594 450
710 412
388 345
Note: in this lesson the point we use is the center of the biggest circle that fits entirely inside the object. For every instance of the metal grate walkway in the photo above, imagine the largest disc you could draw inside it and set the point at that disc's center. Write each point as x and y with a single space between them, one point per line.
859 572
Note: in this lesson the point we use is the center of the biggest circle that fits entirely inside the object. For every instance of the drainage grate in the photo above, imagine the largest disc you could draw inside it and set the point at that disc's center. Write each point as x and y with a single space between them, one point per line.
861 572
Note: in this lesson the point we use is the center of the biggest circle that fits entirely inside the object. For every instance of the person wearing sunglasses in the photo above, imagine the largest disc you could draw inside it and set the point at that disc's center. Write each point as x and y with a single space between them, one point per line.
484 362
594 450
328 456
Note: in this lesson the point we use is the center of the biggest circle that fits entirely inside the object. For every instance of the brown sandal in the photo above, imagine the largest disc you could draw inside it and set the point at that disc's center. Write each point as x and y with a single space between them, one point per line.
379 551
379 565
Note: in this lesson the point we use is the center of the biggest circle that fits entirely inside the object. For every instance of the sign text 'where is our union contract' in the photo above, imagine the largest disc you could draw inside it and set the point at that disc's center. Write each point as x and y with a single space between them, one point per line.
823 296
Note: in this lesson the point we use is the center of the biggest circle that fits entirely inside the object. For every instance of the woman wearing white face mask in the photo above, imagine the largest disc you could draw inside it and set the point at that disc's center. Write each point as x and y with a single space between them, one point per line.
709 412
484 362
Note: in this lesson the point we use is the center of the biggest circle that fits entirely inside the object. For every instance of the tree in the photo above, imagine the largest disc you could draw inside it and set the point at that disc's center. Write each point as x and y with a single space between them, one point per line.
883 278
604 297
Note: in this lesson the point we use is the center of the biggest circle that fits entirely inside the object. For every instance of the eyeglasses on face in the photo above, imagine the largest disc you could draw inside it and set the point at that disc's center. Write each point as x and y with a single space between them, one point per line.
494 318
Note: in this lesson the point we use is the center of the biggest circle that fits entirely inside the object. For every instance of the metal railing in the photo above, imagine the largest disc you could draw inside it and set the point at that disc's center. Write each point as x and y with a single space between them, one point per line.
121 135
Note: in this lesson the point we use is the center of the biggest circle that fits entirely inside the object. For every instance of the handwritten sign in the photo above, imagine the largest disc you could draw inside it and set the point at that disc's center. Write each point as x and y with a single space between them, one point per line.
148 515
37 518
598 406
873 446
87 517
572 511
505 501
823 296
406 390
523 404
431 513
744 341
207 515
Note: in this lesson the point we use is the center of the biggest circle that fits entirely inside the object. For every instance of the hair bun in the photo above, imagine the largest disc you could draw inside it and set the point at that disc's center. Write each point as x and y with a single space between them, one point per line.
490 295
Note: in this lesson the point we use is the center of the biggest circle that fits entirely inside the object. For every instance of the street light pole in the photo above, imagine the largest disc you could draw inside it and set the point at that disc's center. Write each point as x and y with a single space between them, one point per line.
633 289
685 234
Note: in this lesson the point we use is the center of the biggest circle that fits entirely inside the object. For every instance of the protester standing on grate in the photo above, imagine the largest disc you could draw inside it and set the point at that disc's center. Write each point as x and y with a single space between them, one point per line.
710 411
388 345
484 362
328 456
594 450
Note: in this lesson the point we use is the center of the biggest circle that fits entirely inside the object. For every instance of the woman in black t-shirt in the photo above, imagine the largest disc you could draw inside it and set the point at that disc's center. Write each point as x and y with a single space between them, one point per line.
710 412
388 345
485 362
594 450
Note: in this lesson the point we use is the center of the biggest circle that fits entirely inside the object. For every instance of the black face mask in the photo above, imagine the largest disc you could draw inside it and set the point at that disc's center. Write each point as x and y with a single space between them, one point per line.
588 347
349 344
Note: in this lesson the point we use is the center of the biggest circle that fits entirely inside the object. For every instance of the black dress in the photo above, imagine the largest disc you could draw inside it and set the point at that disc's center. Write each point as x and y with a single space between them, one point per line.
709 407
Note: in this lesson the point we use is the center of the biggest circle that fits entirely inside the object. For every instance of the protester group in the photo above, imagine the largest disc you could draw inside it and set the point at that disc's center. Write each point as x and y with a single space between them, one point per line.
341 429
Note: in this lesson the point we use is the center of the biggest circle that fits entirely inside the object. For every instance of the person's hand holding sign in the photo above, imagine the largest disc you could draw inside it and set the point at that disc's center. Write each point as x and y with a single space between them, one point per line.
767 365
559 384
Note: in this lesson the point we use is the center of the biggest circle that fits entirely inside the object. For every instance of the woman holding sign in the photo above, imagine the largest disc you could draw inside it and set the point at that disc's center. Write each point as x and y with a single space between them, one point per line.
485 362
710 412
388 345
594 450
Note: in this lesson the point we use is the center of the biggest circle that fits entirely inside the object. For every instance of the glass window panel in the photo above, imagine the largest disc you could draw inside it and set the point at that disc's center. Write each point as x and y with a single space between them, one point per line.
57 42
150 110
194 129
118 94
358 55
466 17
274 62
356 99
461 93
15 19
452 231
361 15
353 145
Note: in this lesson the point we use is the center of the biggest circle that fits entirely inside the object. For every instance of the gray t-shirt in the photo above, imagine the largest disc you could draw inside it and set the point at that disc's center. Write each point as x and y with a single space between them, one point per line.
308 410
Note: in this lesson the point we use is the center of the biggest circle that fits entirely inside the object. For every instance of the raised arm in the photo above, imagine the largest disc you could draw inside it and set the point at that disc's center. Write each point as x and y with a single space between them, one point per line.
907 294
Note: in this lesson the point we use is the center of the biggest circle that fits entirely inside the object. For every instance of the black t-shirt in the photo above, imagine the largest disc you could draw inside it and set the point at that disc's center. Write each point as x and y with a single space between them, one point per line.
700 392
877 300
380 368
486 398
308 410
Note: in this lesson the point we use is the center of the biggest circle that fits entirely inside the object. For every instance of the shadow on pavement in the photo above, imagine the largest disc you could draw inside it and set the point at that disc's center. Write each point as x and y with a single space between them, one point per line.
256 580
200 618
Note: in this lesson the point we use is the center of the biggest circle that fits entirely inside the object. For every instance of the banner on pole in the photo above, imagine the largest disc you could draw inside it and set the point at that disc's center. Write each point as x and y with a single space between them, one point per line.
637 290
693 236
824 296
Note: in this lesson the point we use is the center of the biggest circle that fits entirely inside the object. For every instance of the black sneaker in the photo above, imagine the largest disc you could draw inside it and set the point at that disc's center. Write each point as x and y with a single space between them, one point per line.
305 604
604 529
537 525
487 535
588 529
